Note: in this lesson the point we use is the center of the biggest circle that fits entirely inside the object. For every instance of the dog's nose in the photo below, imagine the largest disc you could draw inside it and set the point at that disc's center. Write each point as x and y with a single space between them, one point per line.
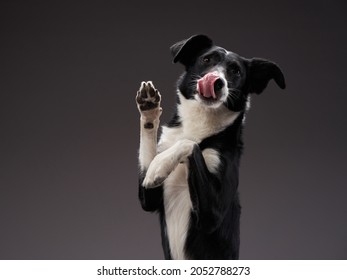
218 85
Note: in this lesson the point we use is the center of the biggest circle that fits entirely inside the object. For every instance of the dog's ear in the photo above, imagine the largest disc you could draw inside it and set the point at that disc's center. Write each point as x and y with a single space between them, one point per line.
261 72
187 50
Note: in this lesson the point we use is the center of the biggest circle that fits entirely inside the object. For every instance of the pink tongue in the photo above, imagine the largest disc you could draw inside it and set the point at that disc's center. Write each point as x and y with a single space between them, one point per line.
206 85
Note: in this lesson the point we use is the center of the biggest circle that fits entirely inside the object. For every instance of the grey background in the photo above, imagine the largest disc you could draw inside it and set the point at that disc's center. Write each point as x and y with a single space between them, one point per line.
69 124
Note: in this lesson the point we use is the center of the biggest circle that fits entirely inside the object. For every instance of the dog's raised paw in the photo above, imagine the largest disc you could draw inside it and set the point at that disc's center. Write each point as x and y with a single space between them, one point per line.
148 97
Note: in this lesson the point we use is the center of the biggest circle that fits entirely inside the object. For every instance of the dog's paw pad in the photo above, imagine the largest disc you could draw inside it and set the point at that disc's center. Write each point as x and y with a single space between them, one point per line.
148 97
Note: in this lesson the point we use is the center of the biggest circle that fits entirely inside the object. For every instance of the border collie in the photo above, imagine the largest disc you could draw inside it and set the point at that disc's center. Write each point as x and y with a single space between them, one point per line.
191 175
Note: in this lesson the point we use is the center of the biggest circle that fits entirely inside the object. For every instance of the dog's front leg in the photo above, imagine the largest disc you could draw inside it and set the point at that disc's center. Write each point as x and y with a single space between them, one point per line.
148 103
165 162
214 193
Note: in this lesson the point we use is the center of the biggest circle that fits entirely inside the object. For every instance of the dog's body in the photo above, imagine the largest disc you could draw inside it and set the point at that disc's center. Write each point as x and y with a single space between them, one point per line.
191 175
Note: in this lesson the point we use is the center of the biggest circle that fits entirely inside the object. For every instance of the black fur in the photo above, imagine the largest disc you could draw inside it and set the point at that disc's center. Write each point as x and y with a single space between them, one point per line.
214 228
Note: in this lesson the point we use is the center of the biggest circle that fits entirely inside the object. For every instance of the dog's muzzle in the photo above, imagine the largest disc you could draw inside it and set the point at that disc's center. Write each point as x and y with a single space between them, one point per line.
210 85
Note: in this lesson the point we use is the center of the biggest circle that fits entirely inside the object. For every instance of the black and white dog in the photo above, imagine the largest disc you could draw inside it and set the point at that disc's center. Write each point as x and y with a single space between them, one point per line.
191 175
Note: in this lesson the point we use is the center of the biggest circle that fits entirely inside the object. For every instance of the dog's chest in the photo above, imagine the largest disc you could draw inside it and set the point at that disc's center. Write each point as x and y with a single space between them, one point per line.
196 124
177 205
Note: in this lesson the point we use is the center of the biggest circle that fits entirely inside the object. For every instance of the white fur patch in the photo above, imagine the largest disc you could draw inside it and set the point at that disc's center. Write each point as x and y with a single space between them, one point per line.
169 136
148 144
248 106
200 122
212 159
177 210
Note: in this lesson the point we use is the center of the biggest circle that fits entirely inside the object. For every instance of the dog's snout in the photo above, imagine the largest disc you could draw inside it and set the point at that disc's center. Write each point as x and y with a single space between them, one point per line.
218 84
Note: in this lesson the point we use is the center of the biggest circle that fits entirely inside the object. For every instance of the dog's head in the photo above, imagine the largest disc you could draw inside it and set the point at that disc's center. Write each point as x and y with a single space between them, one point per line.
215 76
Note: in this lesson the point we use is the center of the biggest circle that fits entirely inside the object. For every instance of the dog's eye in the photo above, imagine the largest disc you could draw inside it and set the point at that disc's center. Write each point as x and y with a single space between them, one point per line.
206 60
235 70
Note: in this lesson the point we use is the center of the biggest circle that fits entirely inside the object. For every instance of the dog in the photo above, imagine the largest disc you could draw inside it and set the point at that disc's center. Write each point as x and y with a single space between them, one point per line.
191 175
